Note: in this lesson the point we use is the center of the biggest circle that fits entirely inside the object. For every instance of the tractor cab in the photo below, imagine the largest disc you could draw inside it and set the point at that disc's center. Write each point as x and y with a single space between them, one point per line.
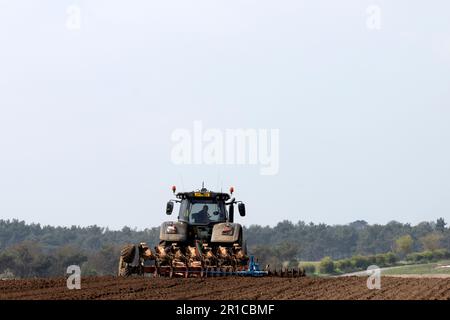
203 208
203 215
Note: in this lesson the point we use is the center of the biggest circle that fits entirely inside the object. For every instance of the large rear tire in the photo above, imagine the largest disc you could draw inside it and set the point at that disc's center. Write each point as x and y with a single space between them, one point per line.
127 255
124 268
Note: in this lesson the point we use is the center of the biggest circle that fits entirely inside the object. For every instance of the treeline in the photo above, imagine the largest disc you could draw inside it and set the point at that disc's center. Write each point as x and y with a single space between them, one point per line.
28 259
32 250
361 263
91 238
348 248
312 242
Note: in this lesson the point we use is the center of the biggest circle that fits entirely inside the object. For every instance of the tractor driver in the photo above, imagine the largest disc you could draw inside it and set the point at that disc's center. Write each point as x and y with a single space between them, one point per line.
202 216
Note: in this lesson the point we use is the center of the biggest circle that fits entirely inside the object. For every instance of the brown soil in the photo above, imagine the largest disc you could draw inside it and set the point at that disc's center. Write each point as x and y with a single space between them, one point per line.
392 288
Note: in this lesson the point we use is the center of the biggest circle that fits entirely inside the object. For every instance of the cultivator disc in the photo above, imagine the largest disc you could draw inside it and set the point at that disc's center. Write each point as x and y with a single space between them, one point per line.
286 272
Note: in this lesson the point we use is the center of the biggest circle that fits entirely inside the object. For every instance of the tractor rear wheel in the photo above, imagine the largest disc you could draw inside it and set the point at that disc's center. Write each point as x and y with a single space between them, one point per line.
127 255
124 268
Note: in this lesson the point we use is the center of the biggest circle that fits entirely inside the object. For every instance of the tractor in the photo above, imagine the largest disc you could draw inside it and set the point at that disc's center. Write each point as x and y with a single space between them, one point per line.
204 241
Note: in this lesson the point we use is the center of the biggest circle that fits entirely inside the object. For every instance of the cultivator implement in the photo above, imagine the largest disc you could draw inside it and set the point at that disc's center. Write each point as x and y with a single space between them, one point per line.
199 261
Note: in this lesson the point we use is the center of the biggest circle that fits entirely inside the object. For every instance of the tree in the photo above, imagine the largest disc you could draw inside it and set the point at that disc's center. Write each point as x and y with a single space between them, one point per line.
359 224
440 225
310 268
102 262
24 256
68 256
431 241
326 265
7 262
43 265
403 245
287 251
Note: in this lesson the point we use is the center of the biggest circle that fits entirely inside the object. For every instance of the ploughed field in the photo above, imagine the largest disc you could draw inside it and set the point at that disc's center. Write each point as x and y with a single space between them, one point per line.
227 288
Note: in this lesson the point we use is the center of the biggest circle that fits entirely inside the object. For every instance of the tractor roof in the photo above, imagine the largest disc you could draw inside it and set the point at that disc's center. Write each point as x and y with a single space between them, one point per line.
203 194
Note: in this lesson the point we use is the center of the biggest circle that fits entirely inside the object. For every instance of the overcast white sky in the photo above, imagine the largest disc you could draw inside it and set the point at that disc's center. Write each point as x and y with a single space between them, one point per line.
86 116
